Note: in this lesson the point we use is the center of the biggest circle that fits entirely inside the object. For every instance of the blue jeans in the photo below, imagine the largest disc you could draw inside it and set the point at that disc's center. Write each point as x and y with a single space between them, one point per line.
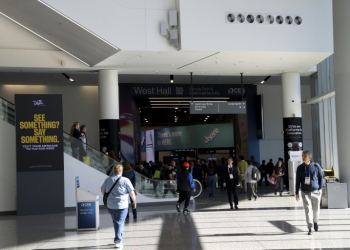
211 184
118 217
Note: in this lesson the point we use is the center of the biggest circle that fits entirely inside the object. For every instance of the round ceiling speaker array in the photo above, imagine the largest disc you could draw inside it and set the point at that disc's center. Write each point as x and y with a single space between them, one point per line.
298 20
289 20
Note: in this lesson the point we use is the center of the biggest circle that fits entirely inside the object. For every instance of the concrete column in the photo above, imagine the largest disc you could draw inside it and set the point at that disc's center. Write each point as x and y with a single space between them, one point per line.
341 20
292 122
108 94
291 94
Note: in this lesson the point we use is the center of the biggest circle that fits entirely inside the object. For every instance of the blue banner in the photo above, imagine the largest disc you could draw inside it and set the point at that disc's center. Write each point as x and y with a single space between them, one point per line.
86 215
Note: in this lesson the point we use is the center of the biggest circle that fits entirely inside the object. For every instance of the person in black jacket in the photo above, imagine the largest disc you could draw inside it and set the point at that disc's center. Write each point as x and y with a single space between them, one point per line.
309 179
184 185
231 180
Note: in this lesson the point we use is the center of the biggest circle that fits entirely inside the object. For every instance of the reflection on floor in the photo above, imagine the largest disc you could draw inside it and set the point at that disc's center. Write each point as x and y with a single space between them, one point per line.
271 222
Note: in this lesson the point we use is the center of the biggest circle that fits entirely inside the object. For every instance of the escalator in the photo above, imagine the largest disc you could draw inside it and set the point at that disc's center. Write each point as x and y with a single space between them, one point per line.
151 189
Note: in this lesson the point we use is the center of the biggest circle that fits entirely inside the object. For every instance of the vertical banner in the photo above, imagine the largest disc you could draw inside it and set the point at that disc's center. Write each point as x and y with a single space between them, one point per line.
293 140
39 147
150 146
109 137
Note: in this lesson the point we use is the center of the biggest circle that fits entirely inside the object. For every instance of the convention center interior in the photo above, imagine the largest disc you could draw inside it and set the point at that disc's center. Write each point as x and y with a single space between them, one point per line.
174 124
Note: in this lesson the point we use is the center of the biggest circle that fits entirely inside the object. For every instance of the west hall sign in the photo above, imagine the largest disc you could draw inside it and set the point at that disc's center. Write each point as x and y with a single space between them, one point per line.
198 90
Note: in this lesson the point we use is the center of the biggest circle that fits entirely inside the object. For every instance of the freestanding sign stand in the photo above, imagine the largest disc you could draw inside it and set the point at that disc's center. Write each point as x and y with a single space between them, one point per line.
294 161
88 209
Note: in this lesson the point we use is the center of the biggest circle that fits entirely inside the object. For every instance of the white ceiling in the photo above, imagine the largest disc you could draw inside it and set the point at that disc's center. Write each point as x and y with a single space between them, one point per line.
22 51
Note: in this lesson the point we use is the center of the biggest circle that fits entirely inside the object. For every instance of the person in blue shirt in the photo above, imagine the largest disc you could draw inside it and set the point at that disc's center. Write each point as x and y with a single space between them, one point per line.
309 179
118 200
185 185
129 173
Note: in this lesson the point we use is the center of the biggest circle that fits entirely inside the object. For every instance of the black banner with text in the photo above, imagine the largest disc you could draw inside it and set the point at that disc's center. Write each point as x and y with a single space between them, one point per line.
39 133
109 137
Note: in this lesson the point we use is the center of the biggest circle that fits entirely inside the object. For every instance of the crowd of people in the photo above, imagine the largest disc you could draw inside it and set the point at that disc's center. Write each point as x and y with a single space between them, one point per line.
247 174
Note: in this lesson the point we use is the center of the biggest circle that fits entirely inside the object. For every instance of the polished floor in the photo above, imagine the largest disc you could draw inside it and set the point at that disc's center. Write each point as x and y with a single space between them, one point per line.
271 222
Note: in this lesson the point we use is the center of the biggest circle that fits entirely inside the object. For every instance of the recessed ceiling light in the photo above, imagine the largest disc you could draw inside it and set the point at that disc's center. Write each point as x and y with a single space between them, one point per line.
176 108
146 121
222 65
202 71
205 120
247 72
173 64
208 116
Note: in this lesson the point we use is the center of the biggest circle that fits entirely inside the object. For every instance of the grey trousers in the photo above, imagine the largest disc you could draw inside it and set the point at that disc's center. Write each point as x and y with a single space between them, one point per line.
311 204
252 189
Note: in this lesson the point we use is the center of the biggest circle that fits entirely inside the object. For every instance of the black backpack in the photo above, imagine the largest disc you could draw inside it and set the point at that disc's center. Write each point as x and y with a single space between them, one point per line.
256 175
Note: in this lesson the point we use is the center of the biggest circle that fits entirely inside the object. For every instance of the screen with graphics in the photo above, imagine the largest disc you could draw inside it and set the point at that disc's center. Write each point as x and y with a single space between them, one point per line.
196 136
39 133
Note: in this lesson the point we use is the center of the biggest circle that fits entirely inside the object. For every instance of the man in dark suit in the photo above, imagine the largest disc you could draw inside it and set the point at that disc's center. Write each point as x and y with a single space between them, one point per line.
231 180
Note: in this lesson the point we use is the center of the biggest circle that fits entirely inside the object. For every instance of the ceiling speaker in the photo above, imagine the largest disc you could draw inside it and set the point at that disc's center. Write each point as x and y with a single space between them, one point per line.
231 18
240 18
270 19
260 18
279 19
298 20
250 18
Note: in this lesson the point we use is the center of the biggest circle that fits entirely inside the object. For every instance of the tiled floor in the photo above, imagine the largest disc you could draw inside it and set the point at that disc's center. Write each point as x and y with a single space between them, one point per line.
269 223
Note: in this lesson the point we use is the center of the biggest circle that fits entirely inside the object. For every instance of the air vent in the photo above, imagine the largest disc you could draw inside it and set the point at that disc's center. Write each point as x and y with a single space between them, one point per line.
241 18
298 20
231 18
289 20
250 18
260 19
279 19
270 19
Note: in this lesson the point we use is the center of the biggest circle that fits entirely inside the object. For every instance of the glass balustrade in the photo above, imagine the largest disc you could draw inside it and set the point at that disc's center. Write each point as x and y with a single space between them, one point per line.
152 188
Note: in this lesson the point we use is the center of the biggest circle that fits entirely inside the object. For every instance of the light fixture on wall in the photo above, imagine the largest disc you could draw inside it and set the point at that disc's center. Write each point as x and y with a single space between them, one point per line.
171 78
267 78
68 77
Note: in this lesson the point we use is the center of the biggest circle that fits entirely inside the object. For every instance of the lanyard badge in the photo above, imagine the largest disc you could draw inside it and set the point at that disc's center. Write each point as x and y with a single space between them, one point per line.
307 176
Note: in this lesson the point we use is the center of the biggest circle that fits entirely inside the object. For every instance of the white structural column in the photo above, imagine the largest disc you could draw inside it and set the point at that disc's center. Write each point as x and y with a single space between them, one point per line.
292 123
341 19
108 94
291 93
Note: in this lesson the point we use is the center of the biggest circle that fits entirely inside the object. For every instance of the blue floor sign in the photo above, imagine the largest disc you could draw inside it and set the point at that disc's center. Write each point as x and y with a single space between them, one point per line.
86 215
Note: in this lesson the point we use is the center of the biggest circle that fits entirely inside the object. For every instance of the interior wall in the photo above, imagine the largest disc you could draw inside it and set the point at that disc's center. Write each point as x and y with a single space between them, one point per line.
80 103
8 180
272 145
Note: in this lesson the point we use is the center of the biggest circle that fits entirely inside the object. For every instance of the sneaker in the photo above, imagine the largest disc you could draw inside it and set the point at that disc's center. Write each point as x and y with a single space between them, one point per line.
236 207
256 197
231 208
275 193
178 207
310 232
119 245
186 211
316 227
280 194
135 216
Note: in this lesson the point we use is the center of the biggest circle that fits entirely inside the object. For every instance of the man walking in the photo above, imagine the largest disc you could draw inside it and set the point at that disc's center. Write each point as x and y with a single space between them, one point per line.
309 179
230 181
185 185
251 184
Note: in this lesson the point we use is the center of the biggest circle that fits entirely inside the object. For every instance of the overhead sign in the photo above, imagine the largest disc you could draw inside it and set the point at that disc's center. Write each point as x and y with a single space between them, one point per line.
218 108
196 136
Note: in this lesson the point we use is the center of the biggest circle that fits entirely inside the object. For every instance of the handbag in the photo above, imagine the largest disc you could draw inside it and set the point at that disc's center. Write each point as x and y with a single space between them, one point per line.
273 180
87 160
105 196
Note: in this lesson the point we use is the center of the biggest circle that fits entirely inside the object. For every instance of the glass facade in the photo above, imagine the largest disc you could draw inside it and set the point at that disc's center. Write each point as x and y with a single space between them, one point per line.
324 116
